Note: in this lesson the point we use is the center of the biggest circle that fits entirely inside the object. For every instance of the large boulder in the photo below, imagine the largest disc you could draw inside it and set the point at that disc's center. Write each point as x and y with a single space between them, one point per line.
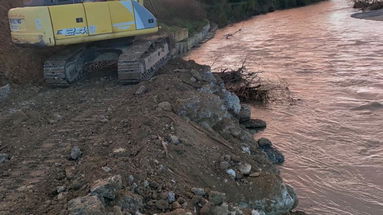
107 188
3 157
286 200
204 109
131 202
87 205
245 113
274 155
256 124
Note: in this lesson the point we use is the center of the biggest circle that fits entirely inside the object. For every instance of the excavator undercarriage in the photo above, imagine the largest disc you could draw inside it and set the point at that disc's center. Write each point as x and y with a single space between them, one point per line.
135 61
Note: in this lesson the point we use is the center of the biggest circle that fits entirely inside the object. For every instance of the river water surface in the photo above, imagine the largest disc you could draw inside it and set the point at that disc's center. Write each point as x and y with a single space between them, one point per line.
332 136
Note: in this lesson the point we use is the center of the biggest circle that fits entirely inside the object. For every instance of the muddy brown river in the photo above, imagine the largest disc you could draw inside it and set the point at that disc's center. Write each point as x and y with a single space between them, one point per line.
332 136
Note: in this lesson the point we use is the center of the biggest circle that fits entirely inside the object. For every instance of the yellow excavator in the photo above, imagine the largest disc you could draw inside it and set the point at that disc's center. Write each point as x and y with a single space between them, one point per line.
84 22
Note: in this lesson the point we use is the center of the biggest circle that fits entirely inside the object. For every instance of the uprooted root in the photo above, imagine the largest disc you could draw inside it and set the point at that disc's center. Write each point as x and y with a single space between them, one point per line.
246 85
251 88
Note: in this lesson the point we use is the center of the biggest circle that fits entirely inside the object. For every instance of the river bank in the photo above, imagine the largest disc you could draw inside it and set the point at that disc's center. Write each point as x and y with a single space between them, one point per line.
331 133
99 147
174 148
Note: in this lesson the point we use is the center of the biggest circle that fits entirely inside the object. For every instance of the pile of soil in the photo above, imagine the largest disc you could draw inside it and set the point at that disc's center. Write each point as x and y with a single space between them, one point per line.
18 64
163 137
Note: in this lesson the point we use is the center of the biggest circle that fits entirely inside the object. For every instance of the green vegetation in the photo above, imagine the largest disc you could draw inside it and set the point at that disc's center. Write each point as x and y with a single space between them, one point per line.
228 11
180 13
192 14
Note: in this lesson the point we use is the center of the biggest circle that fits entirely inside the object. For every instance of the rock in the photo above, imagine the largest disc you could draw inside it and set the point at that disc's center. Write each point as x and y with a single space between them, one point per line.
154 185
244 168
231 172
207 110
176 205
171 197
119 150
274 155
196 75
162 204
5 91
236 158
60 189
181 200
131 202
236 131
263 142
246 149
236 211
254 124
77 184
130 179
217 198
174 140
177 212
75 153
245 113
146 184
231 101
106 169
164 195
224 165
292 194
165 106
4 157
107 188
256 212
198 191
210 209
117 210
87 205
62 195
255 174
226 157
141 90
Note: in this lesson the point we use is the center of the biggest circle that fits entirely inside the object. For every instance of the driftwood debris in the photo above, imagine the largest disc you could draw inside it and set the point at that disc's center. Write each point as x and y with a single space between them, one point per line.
228 36
246 85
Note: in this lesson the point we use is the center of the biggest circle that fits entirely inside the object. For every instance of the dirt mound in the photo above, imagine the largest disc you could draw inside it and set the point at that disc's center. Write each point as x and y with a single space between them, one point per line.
137 148
17 64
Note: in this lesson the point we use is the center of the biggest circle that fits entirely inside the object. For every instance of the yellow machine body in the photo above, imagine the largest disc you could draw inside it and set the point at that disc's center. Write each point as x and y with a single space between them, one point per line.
80 22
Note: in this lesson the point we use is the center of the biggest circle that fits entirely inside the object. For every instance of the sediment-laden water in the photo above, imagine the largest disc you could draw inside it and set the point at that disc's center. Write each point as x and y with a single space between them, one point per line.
332 136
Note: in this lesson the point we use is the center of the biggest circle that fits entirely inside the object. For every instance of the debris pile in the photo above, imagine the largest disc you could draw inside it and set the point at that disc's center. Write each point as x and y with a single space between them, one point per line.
246 85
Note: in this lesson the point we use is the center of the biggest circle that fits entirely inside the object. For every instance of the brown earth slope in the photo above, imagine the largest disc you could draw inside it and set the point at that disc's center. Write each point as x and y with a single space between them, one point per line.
127 131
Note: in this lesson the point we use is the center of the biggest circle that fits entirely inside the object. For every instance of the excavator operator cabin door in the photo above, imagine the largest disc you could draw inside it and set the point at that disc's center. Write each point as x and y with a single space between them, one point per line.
69 21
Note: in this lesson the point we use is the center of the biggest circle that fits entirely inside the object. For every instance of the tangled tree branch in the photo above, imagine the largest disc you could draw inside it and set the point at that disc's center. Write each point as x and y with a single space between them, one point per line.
246 85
